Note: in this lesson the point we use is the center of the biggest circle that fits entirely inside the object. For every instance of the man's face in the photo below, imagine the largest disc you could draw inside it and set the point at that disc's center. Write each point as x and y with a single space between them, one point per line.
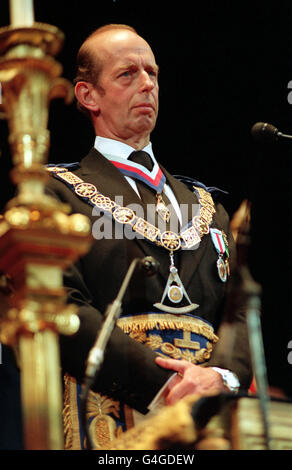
128 104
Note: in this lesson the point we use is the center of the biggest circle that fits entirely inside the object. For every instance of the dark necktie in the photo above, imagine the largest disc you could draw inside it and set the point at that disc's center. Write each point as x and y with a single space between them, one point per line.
147 194
143 158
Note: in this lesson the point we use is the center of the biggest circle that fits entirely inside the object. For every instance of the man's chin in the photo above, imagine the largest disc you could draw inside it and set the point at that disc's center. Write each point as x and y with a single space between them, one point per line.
145 124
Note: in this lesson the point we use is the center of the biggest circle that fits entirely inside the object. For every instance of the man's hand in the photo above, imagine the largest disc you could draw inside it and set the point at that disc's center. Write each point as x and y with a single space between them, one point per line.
190 379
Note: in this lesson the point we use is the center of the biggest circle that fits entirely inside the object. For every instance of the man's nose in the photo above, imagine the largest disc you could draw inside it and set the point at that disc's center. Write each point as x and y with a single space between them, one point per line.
147 83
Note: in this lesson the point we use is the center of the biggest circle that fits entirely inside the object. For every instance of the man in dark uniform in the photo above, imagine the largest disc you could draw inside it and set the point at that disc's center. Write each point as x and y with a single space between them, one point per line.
170 320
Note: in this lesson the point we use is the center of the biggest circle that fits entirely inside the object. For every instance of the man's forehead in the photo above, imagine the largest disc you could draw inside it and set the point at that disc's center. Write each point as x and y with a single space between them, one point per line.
120 44
128 55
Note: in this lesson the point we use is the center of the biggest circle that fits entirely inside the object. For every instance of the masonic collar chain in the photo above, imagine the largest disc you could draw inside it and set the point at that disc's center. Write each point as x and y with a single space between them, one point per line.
171 241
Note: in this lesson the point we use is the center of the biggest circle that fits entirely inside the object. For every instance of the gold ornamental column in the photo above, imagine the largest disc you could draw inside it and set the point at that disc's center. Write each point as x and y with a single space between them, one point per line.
39 239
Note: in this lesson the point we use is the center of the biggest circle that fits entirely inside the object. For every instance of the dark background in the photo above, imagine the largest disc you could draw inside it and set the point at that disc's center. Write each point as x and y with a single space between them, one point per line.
223 66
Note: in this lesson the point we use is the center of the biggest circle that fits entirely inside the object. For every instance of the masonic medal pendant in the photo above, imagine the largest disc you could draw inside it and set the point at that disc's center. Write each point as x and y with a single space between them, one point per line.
219 242
222 269
175 292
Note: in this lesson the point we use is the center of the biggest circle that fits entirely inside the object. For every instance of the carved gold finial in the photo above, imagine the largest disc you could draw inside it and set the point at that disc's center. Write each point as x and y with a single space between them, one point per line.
39 238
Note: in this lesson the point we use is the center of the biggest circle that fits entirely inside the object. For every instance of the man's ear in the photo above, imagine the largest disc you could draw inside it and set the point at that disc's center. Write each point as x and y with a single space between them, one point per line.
87 95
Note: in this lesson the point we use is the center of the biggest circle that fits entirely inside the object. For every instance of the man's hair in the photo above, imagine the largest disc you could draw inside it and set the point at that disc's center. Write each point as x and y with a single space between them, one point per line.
89 65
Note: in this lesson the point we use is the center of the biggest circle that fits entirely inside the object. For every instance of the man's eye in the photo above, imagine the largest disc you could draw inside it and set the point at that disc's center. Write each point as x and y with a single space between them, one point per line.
127 73
152 73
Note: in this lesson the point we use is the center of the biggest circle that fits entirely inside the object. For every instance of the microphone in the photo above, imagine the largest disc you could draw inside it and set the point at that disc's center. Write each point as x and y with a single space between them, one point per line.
265 132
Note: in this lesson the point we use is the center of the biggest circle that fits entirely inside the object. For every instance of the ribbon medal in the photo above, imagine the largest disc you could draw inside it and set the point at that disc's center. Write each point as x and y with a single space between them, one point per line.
221 248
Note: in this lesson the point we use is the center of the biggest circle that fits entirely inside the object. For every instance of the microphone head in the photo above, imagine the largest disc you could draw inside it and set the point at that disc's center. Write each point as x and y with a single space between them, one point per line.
149 265
264 132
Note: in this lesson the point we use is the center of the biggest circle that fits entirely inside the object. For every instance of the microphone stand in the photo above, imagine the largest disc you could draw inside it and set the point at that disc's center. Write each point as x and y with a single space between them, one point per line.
251 297
253 292
96 354
246 293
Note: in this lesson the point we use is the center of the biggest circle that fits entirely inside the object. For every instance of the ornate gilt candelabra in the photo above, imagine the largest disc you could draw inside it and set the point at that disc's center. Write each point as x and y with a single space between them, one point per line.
38 236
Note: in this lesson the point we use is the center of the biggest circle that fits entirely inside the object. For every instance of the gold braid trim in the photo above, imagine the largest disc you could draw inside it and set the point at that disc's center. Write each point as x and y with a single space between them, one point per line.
70 415
67 421
146 322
